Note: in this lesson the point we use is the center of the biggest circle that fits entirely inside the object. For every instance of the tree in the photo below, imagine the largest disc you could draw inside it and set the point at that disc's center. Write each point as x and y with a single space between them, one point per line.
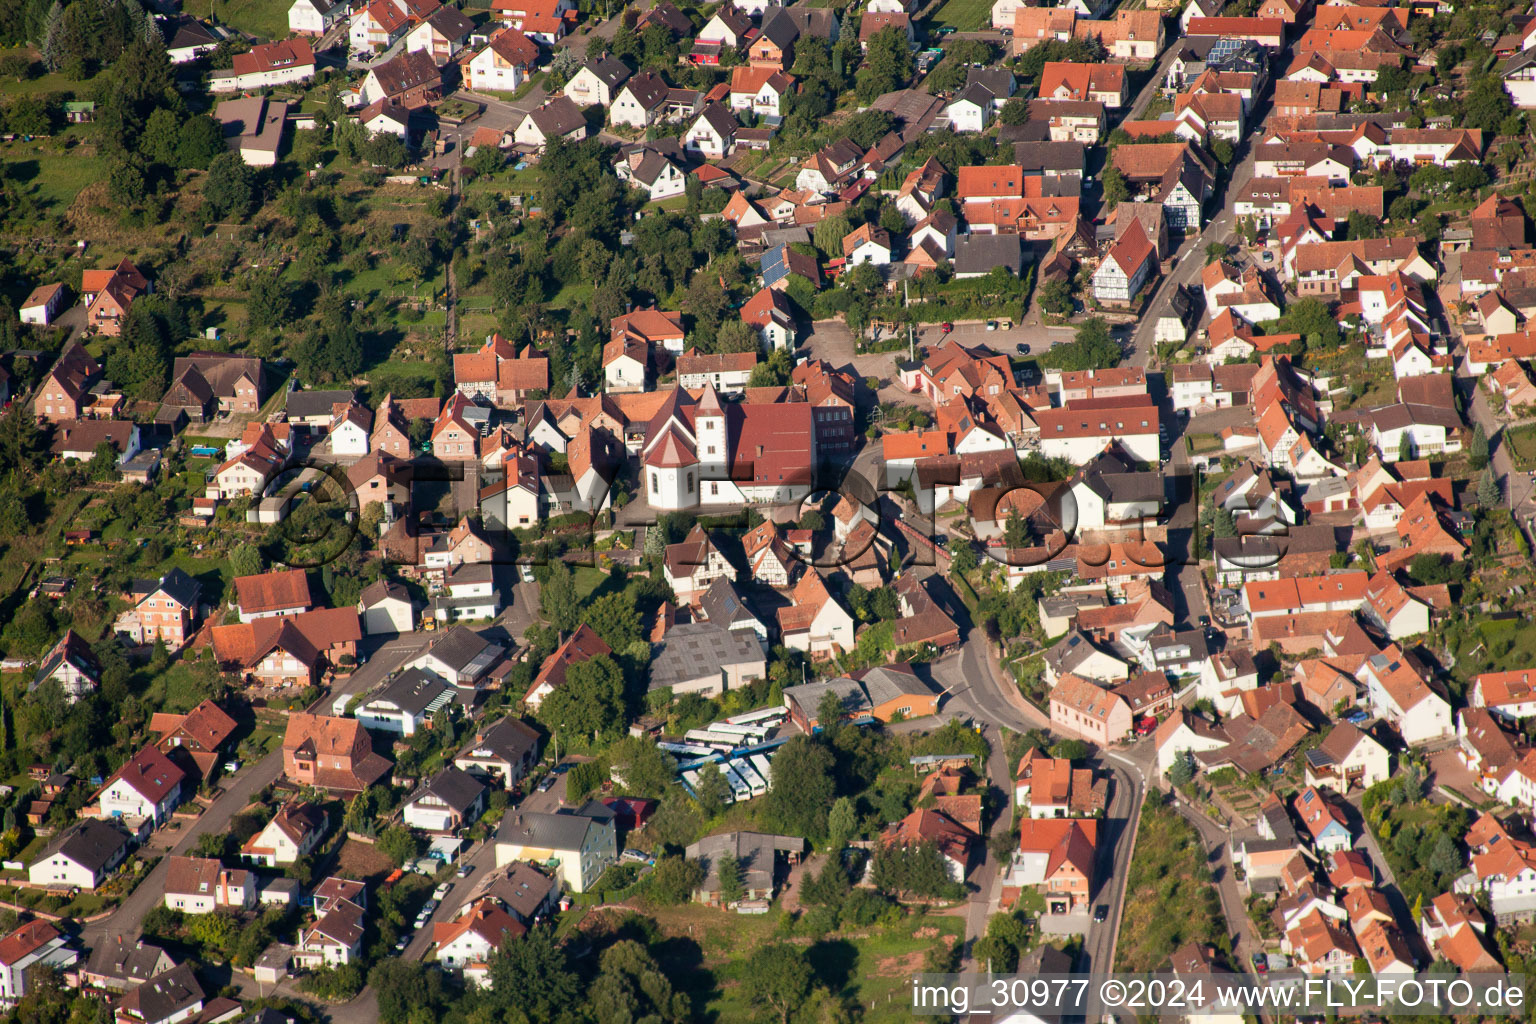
1070 750
1363 225
230 189
1222 150
1015 111
615 618
158 141
199 142
639 767
1092 348
773 372
736 336
887 64
589 704
1488 492
1182 771
1478 451
246 560
531 979
1311 318
1115 189
402 986
557 598
630 986
962 557
1405 447
399 844
829 714
1223 525
713 792
842 823
778 976
829 233
674 880
1055 296
266 306
803 789
729 870
1468 177
1486 104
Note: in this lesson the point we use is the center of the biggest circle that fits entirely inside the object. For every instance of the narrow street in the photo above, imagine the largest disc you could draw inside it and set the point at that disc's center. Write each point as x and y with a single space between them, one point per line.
977 684
241 790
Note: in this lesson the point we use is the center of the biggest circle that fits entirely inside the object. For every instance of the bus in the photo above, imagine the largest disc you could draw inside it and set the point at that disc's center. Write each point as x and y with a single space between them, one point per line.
760 762
761 716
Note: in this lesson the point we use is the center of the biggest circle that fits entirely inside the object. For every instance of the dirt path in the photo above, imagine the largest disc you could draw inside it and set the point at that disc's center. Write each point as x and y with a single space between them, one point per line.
790 898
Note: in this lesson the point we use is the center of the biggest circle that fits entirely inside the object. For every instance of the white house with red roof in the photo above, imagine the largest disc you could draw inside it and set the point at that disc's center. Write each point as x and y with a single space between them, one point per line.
147 786
1510 695
503 63
285 62
468 943
546 21
378 25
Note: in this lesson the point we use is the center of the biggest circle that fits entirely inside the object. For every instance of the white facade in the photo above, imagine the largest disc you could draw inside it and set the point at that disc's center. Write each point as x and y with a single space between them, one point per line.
968 116
120 800
306 17
488 70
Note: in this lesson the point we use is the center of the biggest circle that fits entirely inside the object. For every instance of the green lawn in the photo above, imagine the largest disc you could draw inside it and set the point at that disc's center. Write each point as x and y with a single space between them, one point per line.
54 82
267 18
588 579
1522 445
963 15
53 179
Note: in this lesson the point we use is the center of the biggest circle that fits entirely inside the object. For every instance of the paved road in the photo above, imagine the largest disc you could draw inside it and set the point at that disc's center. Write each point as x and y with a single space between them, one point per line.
1154 84
128 920
1189 260
1519 489
977 683
1218 846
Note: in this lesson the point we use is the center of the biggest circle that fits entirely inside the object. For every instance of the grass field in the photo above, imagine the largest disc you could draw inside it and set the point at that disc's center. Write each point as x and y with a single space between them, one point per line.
963 15
1171 900
53 178
268 18
1522 445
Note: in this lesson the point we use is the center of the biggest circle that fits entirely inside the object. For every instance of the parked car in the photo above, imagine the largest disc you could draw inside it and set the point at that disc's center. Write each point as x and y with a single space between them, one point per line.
441 891
1101 913
547 784
465 870
526 572
1260 963
1023 348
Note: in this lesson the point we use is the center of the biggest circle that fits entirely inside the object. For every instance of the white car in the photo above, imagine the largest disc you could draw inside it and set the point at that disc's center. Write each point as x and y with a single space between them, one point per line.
526 571
441 891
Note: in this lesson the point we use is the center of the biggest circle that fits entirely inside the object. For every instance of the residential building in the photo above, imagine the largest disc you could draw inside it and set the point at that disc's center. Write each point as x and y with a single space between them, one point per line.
580 847
330 753
447 802
292 834
81 858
